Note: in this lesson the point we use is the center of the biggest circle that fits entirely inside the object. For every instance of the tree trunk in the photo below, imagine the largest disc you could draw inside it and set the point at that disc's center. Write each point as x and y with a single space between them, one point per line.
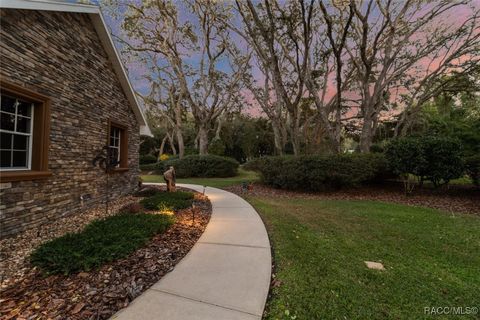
294 139
172 144
181 144
366 136
178 129
278 140
202 139
162 146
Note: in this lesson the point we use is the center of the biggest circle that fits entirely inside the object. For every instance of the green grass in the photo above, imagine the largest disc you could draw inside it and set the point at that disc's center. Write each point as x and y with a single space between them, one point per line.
243 175
431 259
101 241
168 200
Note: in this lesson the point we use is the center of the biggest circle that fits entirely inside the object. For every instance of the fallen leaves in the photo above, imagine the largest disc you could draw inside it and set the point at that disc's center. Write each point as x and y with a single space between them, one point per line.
98 294
455 199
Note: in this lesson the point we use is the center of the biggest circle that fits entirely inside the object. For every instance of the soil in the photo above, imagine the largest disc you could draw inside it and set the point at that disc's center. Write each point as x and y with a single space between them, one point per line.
98 294
454 199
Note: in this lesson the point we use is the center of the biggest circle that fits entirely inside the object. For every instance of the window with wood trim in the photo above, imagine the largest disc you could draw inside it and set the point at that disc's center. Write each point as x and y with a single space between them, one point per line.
24 133
118 143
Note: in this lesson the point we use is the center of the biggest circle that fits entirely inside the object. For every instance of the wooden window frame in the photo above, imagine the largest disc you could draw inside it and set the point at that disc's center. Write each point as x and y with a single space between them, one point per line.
123 166
40 134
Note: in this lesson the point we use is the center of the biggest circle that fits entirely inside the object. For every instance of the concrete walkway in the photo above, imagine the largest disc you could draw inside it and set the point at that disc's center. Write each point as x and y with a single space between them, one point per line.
226 275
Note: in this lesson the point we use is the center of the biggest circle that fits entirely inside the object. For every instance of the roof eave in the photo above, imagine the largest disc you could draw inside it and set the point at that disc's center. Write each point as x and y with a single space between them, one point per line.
104 36
109 46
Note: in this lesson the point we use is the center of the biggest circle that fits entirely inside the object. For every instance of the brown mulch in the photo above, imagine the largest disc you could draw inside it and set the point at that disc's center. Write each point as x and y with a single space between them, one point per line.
100 293
455 199
14 251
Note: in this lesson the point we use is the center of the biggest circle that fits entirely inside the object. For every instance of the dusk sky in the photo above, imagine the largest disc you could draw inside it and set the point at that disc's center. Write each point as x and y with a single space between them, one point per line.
136 71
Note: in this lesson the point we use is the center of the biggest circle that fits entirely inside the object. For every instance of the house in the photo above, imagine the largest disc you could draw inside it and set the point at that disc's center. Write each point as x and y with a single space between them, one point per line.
64 96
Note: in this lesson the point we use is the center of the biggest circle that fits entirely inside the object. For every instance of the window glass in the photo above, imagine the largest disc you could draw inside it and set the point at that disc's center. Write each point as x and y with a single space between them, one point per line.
19 159
8 104
6 157
15 130
7 121
6 140
115 143
20 142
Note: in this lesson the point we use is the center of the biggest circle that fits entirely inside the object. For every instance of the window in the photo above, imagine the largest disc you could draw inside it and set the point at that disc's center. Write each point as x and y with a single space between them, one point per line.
24 130
118 143
16 117
115 143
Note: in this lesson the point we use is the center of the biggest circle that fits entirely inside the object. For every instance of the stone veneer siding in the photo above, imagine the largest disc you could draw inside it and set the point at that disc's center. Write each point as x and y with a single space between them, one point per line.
60 55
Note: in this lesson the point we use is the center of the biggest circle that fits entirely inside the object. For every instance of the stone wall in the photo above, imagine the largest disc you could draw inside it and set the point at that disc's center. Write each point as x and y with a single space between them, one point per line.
59 55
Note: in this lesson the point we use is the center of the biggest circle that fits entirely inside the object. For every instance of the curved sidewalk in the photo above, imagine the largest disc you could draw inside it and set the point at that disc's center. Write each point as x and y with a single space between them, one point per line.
226 275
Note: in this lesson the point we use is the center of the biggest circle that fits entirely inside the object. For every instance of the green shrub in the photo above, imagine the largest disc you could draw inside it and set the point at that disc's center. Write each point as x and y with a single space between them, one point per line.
149 167
317 173
405 156
443 160
101 241
147 159
207 166
254 164
436 159
168 200
146 192
216 147
472 168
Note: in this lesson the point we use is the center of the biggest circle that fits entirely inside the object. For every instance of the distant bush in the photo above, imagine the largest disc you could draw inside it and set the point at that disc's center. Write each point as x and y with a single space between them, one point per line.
164 157
168 200
472 168
443 161
254 164
101 241
201 166
216 147
147 159
405 157
435 159
149 167
326 172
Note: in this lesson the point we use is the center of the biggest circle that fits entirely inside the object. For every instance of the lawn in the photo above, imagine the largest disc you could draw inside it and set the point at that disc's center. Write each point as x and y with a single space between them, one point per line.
431 259
243 175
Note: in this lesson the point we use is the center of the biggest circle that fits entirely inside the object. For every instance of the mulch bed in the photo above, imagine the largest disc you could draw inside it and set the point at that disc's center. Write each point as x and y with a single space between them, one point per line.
455 199
97 294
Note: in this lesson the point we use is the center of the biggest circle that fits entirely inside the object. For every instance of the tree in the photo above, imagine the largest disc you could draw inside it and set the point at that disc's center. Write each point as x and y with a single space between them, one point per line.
200 68
273 31
406 47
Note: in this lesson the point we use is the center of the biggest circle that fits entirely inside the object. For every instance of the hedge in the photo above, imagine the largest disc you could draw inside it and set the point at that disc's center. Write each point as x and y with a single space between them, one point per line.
437 159
149 167
147 159
206 166
472 168
316 173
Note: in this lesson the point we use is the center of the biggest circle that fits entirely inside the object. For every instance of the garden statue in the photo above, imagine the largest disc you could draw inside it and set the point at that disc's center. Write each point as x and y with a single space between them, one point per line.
169 177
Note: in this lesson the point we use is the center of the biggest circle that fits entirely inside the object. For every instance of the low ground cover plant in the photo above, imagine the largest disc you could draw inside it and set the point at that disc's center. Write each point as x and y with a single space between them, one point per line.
168 200
146 192
101 241
320 172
